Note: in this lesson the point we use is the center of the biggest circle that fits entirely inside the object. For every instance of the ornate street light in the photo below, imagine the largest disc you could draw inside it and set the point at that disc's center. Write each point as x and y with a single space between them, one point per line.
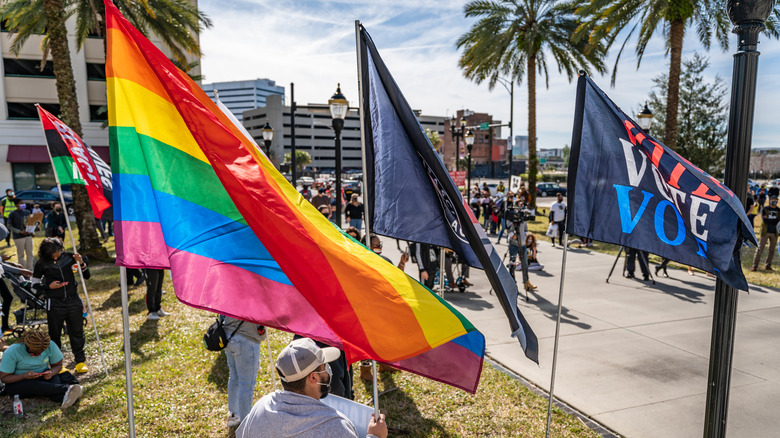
339 106
645 118
469 138
268 135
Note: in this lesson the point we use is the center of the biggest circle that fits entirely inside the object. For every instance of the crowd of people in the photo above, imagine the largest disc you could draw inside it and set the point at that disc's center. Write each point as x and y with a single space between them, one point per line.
763 204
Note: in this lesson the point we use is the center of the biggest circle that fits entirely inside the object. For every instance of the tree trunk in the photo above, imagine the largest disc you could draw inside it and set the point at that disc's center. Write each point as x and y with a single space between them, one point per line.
89 244
676 34
533 162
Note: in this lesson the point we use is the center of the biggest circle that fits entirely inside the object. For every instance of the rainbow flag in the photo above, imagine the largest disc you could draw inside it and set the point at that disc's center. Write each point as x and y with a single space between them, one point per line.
193 194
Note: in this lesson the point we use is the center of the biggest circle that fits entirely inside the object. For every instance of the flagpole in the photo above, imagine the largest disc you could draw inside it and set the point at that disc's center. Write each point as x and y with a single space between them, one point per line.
441 271
270 359
128 369
365 187
78 265
557 334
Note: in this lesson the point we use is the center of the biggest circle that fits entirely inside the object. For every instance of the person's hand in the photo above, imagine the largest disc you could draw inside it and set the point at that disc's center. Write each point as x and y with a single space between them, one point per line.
60 229
29 375
25 272
378 428
77 257
405 257
46 375
57 284
6 257
424 275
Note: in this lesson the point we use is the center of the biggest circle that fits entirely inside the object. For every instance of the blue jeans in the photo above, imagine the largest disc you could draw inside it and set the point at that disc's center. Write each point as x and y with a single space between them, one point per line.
243 359
501 231
357 223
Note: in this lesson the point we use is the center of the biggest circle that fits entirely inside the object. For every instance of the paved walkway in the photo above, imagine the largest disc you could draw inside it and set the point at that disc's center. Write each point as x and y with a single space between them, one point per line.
632 355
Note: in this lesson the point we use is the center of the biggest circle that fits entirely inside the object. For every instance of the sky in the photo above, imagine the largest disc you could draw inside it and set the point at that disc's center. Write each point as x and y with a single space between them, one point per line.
312 43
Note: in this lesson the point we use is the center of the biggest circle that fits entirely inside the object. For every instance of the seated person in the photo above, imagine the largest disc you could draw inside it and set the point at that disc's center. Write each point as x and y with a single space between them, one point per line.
296 410
32 369
533 263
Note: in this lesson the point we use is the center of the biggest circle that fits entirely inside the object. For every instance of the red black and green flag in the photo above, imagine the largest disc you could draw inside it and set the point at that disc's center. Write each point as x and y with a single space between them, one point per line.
73 159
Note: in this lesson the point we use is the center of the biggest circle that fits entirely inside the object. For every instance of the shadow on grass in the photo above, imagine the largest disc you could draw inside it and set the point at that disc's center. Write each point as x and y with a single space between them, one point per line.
115 301
146 333
399 406
219 372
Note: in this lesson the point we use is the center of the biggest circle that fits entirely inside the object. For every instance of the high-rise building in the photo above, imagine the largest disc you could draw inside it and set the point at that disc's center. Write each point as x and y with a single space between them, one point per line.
314 133
24 161
521 146
240 96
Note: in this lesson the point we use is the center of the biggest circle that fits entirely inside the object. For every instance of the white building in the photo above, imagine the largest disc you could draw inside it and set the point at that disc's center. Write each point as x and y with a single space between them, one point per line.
240 96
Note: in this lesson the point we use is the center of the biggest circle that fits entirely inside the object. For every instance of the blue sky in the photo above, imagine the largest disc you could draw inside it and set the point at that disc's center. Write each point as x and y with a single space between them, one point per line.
312 43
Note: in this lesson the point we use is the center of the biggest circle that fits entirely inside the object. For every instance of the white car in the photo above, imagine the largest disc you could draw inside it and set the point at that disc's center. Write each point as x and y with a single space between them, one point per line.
306 180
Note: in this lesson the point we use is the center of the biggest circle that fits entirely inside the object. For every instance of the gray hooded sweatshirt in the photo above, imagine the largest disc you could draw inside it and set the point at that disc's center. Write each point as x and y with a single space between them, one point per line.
289 414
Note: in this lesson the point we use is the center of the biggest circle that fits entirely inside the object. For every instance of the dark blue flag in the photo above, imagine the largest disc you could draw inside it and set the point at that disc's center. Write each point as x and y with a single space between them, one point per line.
409 194
627 188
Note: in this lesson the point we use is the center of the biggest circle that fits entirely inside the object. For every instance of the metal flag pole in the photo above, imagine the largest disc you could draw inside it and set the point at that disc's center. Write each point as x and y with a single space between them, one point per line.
748 17
126 336
557 335
270 359
81 274
441 272
365 186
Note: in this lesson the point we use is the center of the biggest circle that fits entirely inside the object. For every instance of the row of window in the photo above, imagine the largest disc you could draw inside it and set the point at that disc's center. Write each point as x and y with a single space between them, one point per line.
29 68
27 111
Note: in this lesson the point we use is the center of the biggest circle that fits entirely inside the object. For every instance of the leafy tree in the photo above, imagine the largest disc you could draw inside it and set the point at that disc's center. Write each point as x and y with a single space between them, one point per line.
701 137
302 159
433 137
176 22
515 38
566 153
605 20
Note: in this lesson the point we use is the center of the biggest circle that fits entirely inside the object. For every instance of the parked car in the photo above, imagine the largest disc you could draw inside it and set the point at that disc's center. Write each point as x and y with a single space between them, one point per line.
44 198
305 180
351 187
66 191
549 189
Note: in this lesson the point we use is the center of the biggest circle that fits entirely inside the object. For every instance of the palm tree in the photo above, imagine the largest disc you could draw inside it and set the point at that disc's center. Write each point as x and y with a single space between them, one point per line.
179 18
514 38
605 19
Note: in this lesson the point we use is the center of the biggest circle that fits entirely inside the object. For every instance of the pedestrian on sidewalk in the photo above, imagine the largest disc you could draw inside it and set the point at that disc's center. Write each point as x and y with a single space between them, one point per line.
770 217
558 217
633 254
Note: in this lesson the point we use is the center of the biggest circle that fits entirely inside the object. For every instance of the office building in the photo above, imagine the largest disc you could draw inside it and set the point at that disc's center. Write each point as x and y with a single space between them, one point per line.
240 96
488 147
314 134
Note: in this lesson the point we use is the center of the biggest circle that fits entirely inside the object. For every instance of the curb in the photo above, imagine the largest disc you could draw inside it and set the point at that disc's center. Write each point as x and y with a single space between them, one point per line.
560 404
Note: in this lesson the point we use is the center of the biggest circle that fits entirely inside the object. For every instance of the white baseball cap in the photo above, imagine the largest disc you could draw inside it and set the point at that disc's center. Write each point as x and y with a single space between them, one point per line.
302 356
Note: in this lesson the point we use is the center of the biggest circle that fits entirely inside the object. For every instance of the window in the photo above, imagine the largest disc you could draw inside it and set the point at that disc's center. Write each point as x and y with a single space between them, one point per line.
27 111
96 72
29 176
98 113
29 68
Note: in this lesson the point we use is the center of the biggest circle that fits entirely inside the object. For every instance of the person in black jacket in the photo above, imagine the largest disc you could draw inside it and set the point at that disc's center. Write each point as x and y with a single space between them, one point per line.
54 277
56 222
428 261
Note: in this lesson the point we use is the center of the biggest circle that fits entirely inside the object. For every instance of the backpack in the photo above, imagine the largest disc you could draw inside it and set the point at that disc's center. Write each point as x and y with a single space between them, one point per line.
215 338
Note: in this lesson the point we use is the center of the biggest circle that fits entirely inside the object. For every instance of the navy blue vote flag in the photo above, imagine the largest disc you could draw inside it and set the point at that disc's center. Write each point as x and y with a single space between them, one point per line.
627 188
409 193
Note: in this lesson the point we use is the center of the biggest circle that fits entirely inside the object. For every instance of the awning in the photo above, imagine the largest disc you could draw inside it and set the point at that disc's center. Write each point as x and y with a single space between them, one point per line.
38 154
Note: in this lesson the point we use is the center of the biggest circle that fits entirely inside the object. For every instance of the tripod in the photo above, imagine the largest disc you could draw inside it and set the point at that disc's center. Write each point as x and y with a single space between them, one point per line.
646 261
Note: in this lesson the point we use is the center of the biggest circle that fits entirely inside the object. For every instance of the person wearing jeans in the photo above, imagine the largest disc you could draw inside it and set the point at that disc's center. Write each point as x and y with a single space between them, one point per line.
243 359
154 280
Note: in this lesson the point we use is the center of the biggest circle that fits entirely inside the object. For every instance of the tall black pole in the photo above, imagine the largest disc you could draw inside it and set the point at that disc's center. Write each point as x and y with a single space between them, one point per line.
748 17
511 126
293 160
338 125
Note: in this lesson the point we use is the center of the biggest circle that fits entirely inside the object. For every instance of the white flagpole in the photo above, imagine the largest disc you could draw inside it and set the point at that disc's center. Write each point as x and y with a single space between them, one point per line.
128 369
270 359
81 274
365 187
557 334
441 272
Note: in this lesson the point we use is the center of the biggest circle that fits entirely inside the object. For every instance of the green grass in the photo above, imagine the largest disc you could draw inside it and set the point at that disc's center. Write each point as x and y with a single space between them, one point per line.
180 388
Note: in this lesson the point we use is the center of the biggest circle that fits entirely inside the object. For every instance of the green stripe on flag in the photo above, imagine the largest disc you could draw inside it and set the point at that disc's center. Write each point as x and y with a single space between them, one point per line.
67 171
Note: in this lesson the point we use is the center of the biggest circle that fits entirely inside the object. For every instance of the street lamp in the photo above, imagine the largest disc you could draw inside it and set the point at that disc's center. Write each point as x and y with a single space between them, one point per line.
268 135
511 142
645 118
469 138
457 134
338 111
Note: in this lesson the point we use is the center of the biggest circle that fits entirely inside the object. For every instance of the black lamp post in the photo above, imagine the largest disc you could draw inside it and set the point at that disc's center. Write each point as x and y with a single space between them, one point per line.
457 134
469 138
748 17
268 135
338 111
645 118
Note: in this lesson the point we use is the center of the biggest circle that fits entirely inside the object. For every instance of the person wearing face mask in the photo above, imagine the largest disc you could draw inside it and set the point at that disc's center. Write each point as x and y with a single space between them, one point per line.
17 224
56 222
8 207
304 369
770 216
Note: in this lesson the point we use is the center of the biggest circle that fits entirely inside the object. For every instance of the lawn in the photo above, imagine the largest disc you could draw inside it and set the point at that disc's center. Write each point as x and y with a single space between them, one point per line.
180 388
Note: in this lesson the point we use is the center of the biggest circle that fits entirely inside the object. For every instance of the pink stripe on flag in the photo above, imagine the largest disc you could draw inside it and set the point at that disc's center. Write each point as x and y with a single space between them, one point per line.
210 284
144 246
460 362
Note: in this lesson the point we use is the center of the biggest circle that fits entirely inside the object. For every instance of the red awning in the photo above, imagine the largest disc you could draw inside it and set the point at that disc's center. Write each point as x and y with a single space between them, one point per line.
38 154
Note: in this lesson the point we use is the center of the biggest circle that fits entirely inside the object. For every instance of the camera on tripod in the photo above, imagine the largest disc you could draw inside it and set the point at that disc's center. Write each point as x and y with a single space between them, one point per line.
517 215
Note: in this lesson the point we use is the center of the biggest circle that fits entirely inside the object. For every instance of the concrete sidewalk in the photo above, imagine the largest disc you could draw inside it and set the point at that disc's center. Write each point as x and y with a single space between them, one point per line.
632 355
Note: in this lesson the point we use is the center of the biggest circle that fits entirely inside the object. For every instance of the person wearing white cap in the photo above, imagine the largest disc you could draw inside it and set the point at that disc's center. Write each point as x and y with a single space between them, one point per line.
297 411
